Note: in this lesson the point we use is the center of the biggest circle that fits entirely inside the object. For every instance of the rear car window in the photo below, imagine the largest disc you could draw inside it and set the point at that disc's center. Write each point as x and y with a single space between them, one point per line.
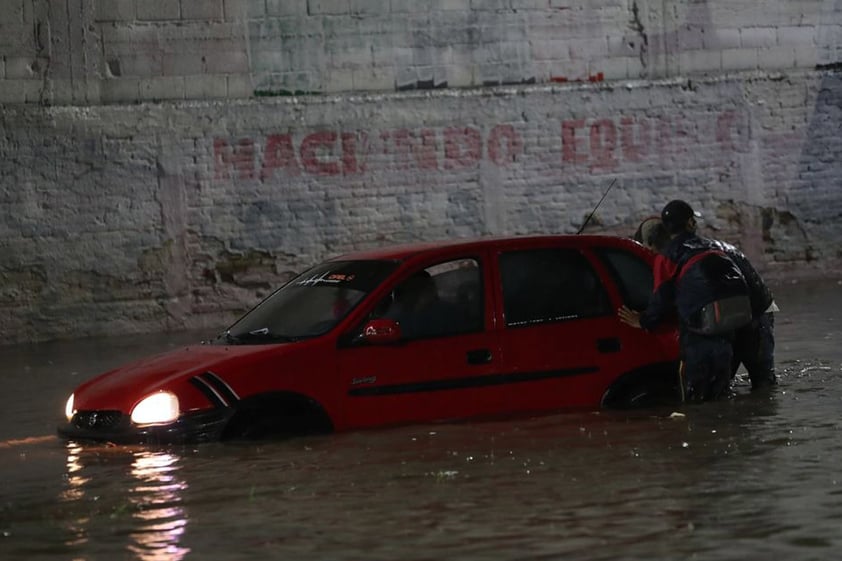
546 285
632 274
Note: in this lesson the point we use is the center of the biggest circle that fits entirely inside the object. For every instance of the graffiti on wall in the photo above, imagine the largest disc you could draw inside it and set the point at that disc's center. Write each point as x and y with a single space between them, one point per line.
599 145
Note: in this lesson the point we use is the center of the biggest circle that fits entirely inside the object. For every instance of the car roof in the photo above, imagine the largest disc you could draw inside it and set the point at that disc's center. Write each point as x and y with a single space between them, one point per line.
405 251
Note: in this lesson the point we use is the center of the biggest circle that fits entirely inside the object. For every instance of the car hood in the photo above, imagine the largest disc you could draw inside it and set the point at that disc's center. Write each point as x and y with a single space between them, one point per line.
121 388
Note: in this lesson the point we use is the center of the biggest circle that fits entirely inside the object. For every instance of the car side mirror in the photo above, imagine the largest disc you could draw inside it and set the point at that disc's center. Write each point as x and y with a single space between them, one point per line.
381 331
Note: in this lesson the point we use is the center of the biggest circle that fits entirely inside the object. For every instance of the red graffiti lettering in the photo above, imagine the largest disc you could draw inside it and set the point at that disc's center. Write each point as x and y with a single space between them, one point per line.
408 148
570 144
599 144
634 151
682 136
500 135
662 137
317 151
279 153
603 144
426 156
462 148
241 158
724 124
350 163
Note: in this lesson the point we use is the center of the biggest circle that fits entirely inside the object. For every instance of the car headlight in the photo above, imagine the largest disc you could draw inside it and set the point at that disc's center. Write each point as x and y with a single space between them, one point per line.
68 408
156 409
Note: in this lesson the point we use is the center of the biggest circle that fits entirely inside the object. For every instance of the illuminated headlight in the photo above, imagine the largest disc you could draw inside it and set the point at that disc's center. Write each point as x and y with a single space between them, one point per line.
156 409
68 408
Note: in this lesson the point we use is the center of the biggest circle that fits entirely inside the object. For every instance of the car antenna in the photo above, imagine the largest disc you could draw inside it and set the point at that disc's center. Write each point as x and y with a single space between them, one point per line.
588 219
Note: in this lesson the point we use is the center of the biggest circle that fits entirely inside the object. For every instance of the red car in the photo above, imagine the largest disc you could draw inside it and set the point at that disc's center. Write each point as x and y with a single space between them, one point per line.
417 333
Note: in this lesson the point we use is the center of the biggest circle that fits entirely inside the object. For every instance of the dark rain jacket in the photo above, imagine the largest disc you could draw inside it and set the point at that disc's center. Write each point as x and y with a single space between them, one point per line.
692 272
759 293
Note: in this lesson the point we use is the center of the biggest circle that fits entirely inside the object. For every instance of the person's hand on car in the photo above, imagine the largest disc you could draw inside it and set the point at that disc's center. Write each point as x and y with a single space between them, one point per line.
629 316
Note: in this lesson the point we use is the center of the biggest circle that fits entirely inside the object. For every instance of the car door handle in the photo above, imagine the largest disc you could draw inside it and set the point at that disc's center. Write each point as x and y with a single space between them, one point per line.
479 356
608 345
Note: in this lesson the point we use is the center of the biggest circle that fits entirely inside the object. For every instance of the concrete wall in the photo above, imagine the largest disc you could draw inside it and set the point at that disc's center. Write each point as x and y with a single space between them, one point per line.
88 52
120 213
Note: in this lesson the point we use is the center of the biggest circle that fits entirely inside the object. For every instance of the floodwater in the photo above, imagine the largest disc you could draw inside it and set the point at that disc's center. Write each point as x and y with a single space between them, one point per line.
756 476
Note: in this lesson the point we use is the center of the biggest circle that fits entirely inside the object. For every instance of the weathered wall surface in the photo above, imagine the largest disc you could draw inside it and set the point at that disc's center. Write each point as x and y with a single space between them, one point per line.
153 174
88 52
154 216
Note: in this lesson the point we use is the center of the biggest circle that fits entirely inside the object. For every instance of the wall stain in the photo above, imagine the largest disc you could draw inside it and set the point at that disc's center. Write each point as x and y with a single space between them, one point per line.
254 269
22 286
785 237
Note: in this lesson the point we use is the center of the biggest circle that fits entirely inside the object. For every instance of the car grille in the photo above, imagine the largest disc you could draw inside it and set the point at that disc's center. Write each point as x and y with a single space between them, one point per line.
96 419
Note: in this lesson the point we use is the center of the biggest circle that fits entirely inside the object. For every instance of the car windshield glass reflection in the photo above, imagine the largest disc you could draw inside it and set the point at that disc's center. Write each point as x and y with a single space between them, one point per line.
309 305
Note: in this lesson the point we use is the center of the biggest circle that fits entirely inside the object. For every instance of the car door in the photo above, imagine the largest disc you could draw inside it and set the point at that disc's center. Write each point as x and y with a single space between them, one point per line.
560 336
633 278
442 365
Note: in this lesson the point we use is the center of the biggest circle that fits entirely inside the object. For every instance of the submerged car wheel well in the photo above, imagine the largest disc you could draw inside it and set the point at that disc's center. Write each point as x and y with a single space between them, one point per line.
649 386
277 414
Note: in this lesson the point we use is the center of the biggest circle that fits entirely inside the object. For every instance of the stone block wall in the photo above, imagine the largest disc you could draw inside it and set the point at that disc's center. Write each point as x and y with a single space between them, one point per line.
90 52
166 216
156 171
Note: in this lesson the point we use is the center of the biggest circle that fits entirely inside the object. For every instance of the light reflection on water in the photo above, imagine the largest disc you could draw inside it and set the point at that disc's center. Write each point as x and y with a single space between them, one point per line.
75 492
157 501
153 496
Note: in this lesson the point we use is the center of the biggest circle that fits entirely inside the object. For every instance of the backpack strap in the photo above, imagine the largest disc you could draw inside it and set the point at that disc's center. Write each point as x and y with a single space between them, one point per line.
695 259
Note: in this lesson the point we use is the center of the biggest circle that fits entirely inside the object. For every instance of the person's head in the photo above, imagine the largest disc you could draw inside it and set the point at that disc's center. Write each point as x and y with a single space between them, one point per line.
639 234
655 236
417 292
652 234
678 216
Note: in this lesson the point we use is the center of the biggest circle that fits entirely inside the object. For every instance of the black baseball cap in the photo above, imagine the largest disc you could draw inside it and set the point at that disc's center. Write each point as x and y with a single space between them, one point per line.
676 214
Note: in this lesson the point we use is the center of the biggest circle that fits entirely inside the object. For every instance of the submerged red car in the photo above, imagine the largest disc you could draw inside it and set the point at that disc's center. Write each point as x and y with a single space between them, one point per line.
416 333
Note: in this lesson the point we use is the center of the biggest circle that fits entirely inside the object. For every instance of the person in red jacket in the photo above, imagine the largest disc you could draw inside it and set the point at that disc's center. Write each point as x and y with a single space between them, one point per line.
695 277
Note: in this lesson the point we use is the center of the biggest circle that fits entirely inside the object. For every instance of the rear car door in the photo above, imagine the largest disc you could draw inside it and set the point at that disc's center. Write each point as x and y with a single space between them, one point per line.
560 336
437 371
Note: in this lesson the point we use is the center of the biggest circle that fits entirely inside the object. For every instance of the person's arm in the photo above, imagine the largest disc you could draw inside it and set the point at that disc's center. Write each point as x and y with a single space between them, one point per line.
660 301
659 307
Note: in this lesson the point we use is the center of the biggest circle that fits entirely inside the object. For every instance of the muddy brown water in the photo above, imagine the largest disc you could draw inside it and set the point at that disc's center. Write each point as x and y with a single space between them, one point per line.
756 476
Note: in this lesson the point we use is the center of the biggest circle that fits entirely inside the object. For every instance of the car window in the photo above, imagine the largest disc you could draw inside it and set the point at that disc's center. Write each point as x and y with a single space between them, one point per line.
441 300
544 285
632 274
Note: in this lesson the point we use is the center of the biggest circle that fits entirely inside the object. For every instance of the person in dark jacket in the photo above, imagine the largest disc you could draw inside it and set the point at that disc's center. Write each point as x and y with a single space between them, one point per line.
692 275
754 344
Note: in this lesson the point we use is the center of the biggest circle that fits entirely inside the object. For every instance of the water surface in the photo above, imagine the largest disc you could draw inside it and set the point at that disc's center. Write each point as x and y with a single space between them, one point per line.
752 477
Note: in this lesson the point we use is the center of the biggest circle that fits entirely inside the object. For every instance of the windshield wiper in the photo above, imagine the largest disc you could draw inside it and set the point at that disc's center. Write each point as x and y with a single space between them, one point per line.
262 334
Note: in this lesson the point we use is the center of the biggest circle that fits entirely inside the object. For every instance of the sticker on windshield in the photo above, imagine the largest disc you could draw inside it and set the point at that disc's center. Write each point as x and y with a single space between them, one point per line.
326 278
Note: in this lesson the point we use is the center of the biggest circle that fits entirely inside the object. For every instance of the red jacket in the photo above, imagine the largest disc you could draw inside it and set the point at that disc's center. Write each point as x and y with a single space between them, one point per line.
691 273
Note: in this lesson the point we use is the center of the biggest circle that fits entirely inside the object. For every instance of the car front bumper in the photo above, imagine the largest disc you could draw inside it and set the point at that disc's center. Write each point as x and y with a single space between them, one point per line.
117 428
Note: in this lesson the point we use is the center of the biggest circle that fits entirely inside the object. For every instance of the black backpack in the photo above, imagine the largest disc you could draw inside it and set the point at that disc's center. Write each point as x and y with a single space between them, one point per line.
724 290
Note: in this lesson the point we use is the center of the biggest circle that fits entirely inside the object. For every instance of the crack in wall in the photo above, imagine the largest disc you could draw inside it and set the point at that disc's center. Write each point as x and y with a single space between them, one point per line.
40 29
637 26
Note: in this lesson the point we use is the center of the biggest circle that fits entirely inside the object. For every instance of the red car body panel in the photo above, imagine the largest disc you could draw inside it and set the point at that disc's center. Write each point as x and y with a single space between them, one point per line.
498 370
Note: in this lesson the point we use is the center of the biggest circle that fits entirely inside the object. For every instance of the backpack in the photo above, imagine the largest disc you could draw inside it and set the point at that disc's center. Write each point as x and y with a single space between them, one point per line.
722 316
725 293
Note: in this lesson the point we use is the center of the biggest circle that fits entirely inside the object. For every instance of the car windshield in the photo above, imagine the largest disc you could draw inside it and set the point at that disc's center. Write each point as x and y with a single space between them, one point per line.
310 304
